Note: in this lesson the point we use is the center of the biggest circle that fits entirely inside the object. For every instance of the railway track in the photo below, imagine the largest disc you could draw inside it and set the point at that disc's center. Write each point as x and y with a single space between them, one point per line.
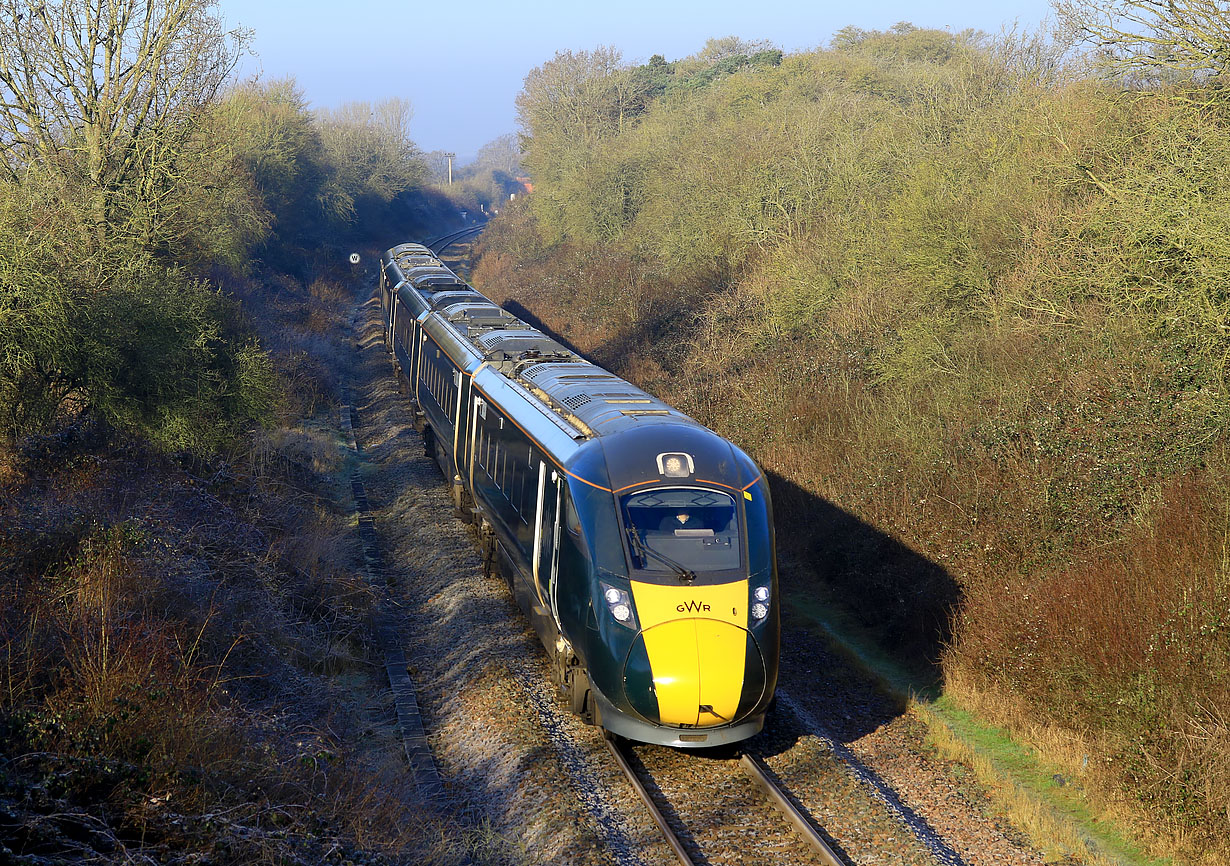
683 841
440 244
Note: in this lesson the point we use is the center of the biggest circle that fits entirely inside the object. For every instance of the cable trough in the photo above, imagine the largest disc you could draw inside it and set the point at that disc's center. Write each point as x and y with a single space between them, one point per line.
405 702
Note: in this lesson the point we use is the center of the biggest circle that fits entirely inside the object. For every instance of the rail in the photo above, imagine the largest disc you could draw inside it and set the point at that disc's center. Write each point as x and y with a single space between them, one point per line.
754 768
672 838
443 242
759 774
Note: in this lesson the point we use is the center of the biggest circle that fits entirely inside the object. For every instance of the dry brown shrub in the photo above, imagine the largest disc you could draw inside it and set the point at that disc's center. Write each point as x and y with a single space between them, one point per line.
1132 638
331 292
97 676
494 269
1154 600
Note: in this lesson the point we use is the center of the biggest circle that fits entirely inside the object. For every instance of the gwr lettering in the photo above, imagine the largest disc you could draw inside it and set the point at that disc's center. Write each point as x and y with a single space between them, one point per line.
692 607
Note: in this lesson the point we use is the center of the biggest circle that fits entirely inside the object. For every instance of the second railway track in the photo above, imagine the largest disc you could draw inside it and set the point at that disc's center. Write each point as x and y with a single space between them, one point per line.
715 810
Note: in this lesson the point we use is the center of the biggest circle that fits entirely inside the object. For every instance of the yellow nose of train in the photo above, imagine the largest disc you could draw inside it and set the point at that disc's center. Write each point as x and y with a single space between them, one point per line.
694 663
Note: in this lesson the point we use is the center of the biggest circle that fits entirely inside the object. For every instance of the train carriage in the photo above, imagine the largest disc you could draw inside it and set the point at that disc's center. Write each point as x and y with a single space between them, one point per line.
394 266
638 542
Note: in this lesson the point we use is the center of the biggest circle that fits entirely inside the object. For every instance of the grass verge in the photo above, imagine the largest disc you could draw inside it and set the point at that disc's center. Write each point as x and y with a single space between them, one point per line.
1039 796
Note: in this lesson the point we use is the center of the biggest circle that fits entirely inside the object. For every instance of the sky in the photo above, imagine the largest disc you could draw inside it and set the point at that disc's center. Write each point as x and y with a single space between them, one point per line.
462 66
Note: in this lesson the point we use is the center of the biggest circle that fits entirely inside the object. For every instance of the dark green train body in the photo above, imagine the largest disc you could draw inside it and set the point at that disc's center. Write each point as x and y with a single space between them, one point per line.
638 542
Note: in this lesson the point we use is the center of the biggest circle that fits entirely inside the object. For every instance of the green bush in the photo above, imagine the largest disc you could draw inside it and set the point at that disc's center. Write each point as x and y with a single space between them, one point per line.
156 352
161 355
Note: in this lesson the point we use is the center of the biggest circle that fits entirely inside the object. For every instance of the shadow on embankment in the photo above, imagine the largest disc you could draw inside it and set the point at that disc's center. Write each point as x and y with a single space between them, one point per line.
904 600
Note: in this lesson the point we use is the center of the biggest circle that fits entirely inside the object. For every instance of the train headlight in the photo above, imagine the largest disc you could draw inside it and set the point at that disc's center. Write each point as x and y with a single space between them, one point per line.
675 464
619 604
760 603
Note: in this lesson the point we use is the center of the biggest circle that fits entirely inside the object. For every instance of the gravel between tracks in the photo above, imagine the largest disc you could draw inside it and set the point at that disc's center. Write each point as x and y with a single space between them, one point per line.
720 814
513 758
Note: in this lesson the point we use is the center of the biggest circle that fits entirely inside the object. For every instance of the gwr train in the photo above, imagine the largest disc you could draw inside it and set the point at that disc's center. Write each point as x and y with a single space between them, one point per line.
638 542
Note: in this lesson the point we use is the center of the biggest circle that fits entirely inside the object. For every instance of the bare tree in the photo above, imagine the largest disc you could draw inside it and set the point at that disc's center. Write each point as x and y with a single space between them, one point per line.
716 50
501 154
1156 40
371 149
576 95
103 93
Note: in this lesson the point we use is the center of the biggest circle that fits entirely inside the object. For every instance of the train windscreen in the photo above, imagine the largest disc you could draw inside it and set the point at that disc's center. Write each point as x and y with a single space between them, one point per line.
686 528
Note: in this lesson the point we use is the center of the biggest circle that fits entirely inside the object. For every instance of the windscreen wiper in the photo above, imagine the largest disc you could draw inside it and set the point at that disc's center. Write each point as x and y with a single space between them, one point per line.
644 551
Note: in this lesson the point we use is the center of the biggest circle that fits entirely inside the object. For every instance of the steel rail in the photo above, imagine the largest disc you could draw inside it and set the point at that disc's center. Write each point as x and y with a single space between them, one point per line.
754 768
430 244
443 242
672 838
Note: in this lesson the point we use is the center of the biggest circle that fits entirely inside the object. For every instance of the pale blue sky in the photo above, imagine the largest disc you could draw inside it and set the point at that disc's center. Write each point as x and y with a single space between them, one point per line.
462 65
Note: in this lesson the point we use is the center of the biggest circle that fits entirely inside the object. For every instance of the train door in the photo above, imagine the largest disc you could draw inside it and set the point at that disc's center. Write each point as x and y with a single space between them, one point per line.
399 342
479 412
414 344
391 319
384 303
546 538
420 351
459 417
554 578
390 311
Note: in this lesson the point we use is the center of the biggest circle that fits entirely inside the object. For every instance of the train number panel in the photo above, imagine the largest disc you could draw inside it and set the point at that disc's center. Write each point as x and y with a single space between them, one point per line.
638 542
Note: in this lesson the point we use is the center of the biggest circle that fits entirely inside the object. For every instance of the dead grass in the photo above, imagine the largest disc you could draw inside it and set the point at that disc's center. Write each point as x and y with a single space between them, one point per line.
185 660
1131 638
1048 828
1095 763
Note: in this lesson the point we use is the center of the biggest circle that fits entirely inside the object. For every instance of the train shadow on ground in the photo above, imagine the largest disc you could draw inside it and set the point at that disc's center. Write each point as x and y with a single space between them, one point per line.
840 574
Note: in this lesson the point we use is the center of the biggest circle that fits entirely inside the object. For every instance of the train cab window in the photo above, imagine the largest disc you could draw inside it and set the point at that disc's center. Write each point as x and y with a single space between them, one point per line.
682 527
572 519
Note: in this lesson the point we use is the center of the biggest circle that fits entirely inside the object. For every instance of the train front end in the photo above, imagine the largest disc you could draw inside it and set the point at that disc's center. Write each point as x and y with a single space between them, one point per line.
682 639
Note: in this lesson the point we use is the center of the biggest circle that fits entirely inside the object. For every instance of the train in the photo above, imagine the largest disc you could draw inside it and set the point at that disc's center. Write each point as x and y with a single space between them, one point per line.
638 543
